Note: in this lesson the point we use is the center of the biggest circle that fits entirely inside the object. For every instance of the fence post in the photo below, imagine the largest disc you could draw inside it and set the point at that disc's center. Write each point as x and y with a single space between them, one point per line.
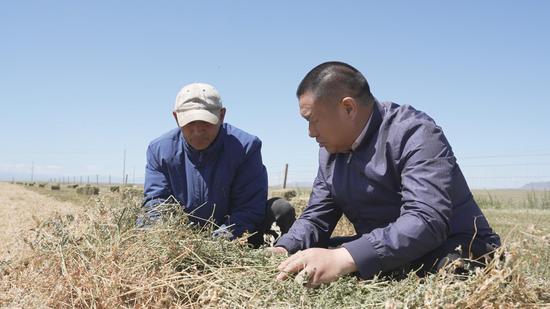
286 174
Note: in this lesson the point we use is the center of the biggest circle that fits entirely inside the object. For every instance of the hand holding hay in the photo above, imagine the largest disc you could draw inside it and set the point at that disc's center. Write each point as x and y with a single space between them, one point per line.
316 266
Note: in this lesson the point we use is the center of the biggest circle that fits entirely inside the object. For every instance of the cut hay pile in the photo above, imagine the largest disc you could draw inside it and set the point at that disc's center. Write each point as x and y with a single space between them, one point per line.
106 262
87 190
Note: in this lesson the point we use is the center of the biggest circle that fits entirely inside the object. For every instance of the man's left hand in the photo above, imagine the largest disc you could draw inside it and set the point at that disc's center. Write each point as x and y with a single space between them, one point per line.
316 266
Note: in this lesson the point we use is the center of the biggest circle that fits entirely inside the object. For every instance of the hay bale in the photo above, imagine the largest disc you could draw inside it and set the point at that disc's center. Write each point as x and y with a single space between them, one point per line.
88 190
55 187
287 194
115 189
41 185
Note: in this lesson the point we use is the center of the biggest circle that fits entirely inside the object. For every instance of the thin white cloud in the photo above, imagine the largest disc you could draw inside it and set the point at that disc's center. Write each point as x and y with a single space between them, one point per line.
27 168
43 169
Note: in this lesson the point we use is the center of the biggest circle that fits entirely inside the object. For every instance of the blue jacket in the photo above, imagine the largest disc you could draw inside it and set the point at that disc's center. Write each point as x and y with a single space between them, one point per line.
226 182
401 188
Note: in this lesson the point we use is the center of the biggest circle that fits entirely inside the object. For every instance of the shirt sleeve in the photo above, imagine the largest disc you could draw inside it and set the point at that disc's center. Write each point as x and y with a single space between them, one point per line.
315 225
427 166
248 193
157 185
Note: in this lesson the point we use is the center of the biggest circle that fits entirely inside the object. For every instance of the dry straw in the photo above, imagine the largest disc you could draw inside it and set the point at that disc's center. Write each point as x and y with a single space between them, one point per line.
105 261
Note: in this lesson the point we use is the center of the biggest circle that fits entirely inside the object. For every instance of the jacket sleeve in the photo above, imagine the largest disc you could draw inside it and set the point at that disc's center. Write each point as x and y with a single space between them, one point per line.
427 166
315 225
248 193
157 185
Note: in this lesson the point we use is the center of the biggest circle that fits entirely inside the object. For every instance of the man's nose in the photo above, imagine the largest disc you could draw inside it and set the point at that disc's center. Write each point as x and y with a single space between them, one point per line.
312 131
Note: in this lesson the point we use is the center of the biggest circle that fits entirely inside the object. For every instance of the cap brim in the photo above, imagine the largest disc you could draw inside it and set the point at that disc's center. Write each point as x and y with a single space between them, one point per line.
197 115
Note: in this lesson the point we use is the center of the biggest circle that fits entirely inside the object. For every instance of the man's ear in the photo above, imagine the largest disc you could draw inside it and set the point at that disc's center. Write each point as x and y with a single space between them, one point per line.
222 115
350 106
176 117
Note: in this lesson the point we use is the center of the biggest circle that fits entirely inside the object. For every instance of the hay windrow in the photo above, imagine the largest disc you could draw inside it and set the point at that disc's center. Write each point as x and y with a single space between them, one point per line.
106 261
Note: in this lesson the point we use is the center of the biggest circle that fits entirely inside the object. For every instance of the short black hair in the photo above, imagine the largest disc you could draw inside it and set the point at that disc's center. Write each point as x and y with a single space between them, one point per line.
335 80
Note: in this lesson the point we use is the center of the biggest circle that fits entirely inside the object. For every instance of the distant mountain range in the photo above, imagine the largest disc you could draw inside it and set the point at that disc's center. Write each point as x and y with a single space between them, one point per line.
537 185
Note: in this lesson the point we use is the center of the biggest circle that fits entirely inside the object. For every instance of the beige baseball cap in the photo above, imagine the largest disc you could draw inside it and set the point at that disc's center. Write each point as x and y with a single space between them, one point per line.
198 101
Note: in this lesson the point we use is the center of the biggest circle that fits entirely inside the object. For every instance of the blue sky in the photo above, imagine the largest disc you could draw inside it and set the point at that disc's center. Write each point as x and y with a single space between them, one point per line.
82 81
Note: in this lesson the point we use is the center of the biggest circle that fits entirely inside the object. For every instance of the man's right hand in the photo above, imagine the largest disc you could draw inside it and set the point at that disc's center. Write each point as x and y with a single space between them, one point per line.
222 232
277 250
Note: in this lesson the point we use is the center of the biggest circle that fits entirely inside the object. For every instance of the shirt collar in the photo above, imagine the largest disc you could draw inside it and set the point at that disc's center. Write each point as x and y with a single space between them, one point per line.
359 139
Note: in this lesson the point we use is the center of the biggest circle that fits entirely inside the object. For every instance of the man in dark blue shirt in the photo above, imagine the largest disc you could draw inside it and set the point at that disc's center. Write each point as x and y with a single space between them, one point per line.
213 169
390 170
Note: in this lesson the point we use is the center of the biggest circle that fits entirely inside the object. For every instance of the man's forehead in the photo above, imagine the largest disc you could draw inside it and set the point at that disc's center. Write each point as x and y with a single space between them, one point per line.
306 103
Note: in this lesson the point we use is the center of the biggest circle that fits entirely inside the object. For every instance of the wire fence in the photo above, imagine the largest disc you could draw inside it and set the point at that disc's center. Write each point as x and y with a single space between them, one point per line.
527 170
481 171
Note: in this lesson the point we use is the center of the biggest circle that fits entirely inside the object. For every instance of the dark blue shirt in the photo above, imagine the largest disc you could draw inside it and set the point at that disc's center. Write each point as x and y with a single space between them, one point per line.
225 183
401 188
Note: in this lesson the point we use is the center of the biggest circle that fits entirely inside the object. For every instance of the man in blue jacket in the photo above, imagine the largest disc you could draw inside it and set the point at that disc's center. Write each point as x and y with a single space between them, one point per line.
213 169
390 170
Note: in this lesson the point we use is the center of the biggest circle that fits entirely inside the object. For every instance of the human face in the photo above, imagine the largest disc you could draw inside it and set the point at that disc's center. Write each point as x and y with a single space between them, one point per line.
201 134
329 123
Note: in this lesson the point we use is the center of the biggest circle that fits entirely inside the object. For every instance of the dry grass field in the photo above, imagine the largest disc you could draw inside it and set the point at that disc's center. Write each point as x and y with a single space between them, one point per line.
71 250
21 210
